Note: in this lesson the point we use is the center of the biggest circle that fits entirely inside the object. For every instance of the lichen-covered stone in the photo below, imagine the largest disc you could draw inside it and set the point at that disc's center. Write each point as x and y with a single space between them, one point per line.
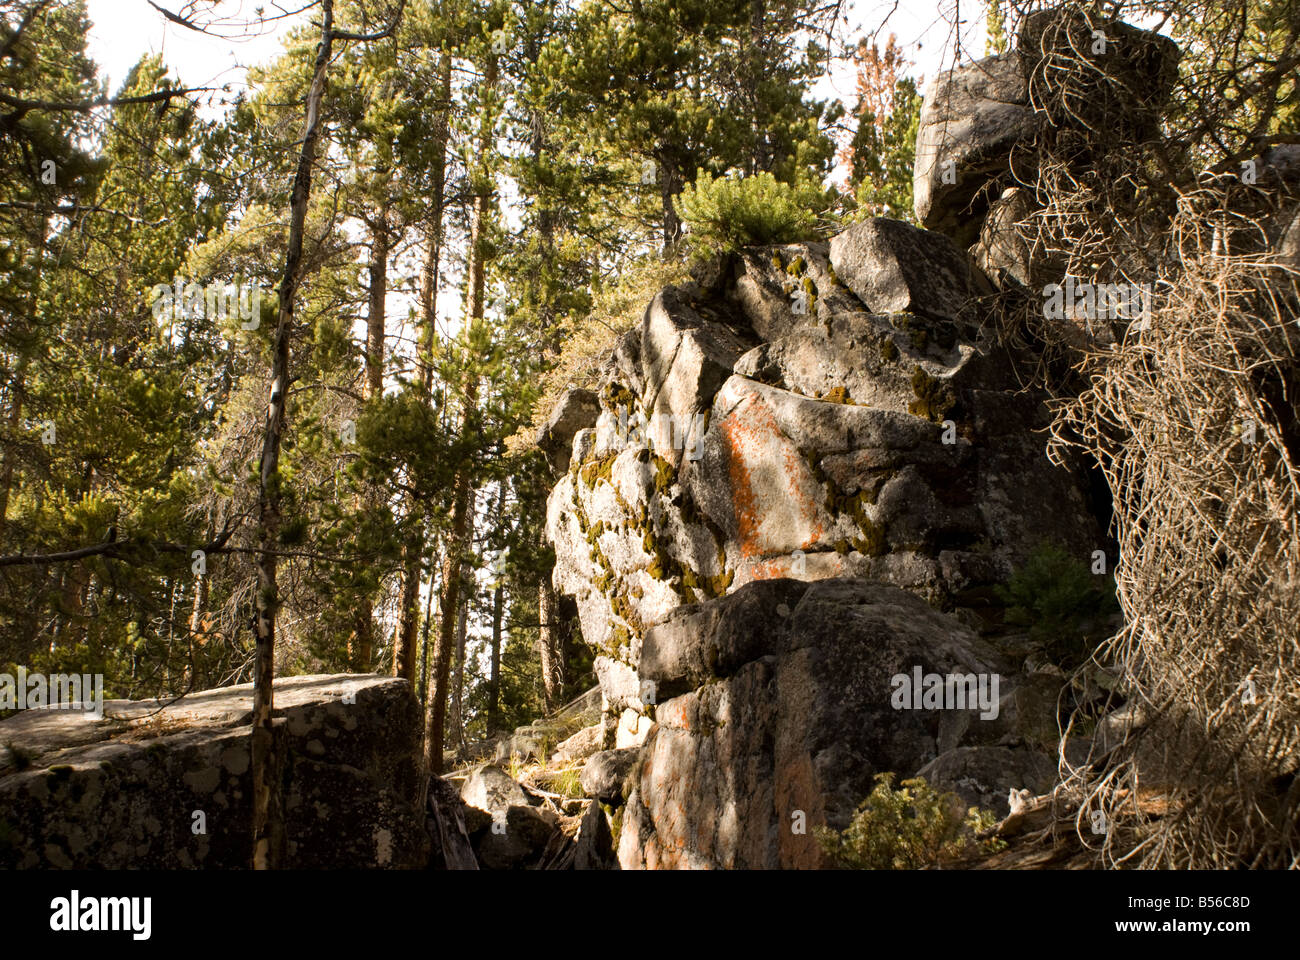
122 792
894 267
892 443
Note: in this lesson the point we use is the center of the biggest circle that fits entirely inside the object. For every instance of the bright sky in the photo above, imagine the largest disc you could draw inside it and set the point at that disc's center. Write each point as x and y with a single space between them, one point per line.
124 30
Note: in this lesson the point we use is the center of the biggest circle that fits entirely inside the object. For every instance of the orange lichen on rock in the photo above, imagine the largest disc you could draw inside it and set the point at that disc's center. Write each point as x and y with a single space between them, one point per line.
770 508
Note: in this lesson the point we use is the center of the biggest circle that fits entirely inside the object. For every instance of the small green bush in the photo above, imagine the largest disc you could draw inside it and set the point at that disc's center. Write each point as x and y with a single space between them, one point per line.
910 828
727 212
1061 601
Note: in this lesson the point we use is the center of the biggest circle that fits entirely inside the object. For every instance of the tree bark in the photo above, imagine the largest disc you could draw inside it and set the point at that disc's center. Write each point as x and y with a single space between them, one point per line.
361 643
494 667
13 425
669 188
458 689
268 823
404 658
408 619
376 314
551 642
436 714
18 387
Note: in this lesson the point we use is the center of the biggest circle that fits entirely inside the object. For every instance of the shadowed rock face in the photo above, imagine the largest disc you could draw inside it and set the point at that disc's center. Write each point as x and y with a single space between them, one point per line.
978 123
77 793
786 718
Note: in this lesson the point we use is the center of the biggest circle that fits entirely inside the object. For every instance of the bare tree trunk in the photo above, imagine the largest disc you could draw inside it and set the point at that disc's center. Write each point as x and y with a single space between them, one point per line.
200 601
408 618
429 287
494 668
412 551
669 188
427 659
268 821
361 643
458 688
551 642
377 313
436 713
13 424
17 391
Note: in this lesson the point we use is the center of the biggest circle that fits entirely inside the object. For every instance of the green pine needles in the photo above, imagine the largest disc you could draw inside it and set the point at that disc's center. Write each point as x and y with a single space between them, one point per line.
724 213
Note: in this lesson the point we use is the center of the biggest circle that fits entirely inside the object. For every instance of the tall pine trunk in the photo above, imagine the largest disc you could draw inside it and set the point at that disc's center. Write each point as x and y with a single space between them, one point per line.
435 715
494 667
551 643
14 420
13 426
436 712
404 646
268 821
361 644
494 660
458 688
669 187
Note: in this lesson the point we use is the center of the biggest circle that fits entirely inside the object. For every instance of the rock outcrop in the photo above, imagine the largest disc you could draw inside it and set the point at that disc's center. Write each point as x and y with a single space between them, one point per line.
830 412
162 785
806 473
866 427
980 121
778 706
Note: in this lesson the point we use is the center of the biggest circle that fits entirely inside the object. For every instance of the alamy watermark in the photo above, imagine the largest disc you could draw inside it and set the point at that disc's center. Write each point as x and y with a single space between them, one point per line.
953 691
684 433
1097 301
59 691
214 301
75 913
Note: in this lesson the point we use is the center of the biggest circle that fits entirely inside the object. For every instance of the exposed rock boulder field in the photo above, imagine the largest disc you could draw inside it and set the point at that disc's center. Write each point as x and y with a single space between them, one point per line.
125 791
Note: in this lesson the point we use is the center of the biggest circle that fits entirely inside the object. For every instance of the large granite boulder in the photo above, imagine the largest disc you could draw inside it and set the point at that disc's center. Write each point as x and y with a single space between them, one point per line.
576 410
490 789
979 121
894 267
984 777
604 774
509 827
781 706
972 119
167 785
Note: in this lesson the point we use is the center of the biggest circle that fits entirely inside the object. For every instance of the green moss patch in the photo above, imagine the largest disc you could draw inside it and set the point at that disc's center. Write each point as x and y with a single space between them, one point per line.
933 399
